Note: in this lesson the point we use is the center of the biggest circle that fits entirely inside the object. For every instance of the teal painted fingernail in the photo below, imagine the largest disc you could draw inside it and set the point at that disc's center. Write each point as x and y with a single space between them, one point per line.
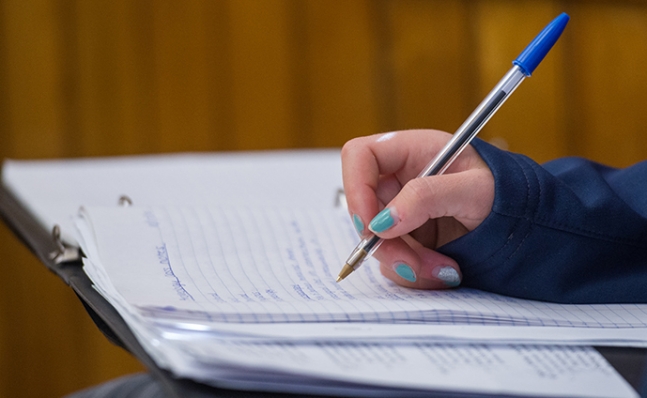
448 275
359 225
405 272
383 221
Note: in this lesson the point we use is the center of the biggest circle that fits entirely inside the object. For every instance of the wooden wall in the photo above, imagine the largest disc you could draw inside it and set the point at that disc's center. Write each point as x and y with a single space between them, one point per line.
111 77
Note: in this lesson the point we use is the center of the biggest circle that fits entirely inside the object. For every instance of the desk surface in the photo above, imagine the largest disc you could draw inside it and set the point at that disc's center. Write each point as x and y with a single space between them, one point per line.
629 362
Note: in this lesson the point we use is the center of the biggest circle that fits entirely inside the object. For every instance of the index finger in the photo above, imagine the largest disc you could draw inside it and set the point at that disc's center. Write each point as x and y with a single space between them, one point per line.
400 155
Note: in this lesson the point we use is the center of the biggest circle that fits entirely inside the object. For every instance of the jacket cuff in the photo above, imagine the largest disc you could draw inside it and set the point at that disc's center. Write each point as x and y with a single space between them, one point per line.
482 253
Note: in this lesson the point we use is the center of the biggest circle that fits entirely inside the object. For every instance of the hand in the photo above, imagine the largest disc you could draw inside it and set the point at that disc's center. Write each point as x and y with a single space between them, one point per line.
414 215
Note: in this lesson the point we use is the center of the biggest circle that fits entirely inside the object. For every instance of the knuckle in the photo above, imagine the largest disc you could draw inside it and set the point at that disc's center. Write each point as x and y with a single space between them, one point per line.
416 191
351 147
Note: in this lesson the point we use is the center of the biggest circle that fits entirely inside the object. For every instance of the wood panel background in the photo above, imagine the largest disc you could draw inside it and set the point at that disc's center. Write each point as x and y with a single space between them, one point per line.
113 77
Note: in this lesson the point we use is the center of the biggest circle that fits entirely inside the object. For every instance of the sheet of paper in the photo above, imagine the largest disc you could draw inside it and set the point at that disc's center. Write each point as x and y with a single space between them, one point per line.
522 369
370 332
407 333
250 265
53 190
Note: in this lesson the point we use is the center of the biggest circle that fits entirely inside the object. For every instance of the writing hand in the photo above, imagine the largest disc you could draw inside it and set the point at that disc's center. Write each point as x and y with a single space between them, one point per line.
414 215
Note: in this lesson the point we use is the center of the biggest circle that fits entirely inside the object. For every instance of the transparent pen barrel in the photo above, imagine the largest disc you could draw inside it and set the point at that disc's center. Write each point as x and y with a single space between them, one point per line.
364 250
468 130
372 244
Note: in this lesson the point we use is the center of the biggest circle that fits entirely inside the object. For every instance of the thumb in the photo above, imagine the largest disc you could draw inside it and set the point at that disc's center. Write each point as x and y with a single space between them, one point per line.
466 196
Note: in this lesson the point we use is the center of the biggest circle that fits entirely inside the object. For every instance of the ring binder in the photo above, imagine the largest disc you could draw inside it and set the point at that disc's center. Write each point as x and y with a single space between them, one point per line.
629 362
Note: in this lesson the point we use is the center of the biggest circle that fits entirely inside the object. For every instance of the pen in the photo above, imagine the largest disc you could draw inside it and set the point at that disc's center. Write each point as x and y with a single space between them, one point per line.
522 66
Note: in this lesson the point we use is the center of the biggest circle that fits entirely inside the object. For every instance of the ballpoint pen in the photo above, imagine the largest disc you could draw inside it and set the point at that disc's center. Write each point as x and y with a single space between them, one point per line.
524 65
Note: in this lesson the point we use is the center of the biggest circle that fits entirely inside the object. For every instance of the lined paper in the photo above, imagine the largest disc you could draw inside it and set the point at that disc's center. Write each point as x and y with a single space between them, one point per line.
273 264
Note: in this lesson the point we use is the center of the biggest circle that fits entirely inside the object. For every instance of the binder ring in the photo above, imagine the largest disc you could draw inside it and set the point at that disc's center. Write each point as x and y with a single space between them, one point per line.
56 235
62 254
125 201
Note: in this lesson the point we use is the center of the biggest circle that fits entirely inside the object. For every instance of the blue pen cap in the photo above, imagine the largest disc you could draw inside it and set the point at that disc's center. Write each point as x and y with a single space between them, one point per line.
532 55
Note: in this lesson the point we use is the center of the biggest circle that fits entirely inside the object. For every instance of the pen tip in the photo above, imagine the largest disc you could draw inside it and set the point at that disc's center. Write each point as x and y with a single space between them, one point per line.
345 272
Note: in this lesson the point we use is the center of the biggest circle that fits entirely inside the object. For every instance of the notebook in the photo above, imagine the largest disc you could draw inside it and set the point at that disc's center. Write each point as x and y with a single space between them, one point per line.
260 264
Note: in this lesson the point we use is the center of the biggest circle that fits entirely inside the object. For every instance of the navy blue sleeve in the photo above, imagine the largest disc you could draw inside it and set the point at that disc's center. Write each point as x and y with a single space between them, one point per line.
570 231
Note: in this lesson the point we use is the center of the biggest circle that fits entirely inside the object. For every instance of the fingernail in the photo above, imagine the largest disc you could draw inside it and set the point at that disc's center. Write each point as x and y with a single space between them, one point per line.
359 225
383 221
405 272
448 275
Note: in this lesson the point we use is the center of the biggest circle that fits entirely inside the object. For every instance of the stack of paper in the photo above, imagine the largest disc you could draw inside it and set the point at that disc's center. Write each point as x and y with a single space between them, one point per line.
246 297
